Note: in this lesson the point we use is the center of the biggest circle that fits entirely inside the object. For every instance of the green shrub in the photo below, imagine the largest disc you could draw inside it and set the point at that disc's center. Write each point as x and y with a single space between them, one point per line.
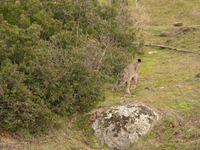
43 74
20 108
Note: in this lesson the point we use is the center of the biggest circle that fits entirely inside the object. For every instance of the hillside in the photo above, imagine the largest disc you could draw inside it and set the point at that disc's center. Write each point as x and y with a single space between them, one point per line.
169 82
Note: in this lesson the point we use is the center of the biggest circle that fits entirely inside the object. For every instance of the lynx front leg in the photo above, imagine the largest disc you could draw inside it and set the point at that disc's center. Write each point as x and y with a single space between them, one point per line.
116 84
127 86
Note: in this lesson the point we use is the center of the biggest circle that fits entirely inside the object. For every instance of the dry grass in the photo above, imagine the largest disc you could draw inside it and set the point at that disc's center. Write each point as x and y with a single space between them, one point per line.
166 12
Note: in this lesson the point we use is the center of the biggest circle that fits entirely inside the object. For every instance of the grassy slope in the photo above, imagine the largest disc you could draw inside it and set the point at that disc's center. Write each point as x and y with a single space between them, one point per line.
167 82
179 100
167 78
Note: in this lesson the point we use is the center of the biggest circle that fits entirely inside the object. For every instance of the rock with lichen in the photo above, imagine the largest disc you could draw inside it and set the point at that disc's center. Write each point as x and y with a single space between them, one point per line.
121 126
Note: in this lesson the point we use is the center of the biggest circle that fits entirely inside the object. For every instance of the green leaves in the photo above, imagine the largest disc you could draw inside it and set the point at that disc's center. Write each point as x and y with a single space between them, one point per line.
17 102
24 21
42 73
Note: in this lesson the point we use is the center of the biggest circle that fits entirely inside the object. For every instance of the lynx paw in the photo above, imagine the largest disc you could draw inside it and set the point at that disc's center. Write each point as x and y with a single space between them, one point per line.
134 87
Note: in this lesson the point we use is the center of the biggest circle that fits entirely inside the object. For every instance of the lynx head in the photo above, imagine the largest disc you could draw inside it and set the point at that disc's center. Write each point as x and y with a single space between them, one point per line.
121 78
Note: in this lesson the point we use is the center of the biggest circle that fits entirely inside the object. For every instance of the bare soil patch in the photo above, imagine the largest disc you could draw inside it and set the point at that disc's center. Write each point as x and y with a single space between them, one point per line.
10 141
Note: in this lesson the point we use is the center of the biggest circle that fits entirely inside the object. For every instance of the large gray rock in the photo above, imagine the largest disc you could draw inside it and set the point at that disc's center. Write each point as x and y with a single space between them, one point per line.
121 126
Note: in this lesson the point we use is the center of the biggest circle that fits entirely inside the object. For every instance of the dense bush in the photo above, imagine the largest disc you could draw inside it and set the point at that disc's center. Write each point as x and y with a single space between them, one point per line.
55 57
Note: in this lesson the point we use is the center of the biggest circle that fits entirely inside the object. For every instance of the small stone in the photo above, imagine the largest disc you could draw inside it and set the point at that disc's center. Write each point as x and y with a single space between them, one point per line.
150 52
183 46
165 33
139 23
198 75
178 24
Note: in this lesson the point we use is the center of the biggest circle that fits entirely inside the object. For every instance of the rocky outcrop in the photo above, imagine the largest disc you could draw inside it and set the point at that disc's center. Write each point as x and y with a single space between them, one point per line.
121 126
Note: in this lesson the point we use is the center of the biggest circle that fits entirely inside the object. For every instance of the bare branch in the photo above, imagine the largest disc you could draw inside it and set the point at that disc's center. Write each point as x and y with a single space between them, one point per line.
194 26
161 46
173 133
78 24
103 55
136 3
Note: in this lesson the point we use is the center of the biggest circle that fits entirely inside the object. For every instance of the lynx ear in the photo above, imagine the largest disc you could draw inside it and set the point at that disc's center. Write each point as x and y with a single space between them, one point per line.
139 60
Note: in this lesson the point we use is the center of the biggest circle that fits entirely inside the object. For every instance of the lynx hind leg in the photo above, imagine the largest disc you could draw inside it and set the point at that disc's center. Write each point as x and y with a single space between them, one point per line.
127 87
135 81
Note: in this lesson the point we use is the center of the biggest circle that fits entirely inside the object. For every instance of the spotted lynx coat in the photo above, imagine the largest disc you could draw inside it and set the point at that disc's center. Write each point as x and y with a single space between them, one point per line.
131 72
